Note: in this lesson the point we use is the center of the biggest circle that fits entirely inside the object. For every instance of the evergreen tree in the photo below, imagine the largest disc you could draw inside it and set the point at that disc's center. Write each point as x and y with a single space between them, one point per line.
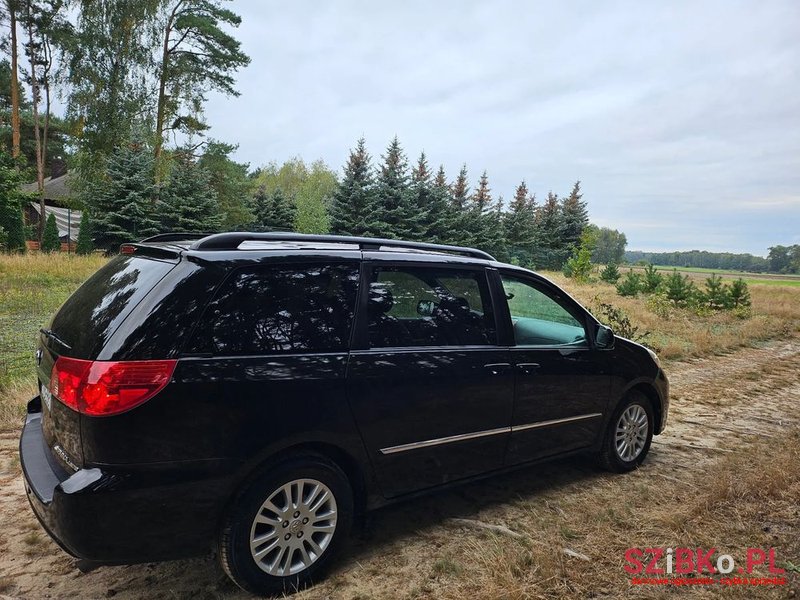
439 226
459 204
520 226
188 202
354 200
574 217
551 252
611 273
273 211
122 204
50 241
396 215
11 201
484 219
421 196
85 244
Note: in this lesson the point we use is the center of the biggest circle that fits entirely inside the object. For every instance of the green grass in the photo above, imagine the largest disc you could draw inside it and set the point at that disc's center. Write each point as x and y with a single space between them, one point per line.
730 273
780 282
32 287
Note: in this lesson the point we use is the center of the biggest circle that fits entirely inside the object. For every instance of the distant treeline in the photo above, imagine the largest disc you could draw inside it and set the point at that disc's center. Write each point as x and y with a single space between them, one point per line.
702 259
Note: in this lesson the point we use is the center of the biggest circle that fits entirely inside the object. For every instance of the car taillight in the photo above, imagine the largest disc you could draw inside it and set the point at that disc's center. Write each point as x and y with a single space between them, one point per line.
103 388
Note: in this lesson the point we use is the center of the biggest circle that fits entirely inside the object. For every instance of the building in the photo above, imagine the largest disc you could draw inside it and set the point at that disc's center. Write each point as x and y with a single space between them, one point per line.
57 196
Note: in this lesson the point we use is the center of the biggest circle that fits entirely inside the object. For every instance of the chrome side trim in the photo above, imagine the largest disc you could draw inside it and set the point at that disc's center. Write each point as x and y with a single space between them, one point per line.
554 422
478 434
444 440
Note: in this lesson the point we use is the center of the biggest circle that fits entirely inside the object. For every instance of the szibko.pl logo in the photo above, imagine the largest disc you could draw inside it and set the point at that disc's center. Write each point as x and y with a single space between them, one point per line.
660 565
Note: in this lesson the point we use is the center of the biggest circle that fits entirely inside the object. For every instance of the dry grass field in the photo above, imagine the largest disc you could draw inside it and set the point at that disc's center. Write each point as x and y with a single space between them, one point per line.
725 474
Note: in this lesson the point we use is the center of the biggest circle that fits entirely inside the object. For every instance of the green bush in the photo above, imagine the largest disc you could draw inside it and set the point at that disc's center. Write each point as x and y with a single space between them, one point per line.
620 322
679 290
51 241
660 305
652 279
716 294
631 285
611 273
85 243
579 266
739 295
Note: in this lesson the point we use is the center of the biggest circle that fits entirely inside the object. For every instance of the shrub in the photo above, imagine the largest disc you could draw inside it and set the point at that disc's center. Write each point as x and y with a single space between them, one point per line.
631 285
716 293
680 290
739 295
85 244
660 305
50 240
611 273
620 322
579 266
652 279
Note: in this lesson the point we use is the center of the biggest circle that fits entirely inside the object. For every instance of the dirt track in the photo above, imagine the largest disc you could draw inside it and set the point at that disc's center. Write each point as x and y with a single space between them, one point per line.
718 406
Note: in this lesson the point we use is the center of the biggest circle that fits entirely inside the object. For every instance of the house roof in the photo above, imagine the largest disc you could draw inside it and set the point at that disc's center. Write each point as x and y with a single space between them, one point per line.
67 220
57 188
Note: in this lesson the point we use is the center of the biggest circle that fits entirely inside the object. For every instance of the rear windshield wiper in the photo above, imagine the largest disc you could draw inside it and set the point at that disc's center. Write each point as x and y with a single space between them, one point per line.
49 333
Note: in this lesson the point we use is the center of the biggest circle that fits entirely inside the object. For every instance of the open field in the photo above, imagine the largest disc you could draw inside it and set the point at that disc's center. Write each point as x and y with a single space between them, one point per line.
725 474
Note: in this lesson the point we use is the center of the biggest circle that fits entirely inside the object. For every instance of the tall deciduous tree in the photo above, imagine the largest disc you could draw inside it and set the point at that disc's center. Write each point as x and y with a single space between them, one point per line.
197 56
354 201
610 246
313 198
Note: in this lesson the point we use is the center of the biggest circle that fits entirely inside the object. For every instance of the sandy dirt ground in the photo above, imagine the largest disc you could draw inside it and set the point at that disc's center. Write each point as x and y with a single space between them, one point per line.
719 405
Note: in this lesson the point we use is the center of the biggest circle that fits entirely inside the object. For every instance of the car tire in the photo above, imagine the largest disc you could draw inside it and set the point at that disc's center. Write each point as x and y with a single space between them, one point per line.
286 525
628 434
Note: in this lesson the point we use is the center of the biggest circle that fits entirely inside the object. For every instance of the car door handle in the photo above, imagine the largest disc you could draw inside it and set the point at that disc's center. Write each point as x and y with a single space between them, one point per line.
528 368
497 368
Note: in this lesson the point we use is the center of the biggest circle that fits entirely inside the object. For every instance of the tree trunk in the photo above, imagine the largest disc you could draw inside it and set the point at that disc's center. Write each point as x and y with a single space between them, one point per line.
12 11
161 112
37 133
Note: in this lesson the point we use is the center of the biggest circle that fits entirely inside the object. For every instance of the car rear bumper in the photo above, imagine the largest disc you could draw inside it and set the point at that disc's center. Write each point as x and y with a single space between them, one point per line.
121 516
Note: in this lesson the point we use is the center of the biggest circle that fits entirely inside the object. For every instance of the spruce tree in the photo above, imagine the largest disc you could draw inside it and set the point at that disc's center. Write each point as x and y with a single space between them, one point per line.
550 252
188 202
422 200
50 240
85 244
484 219
11 201
353 202
574 217
395 214
440 224
520 226
273 212
123 205
460 215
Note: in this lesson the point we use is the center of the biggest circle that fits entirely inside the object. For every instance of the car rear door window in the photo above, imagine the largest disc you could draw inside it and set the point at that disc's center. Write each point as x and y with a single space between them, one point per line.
538 318
284 309
425 306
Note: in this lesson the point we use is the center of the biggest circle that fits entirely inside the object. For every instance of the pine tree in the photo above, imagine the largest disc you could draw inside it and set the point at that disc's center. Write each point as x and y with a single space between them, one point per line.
440 223
611 273
396 217
188 202
354 200
50 240
122 204
574 217
273 212
85 244
520 226
551 252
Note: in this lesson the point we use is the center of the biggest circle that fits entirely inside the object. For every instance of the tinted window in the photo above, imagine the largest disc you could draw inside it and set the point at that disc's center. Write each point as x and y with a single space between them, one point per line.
538 318
297 308
89 317
424 306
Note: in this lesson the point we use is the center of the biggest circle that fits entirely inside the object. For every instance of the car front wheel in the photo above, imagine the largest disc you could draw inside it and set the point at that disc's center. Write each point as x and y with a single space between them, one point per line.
284 528
629 434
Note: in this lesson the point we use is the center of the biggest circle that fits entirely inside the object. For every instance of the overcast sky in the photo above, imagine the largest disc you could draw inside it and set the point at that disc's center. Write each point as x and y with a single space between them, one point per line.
682 120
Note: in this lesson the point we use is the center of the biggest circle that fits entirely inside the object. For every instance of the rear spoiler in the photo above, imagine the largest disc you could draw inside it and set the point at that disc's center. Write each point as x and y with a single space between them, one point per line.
153 251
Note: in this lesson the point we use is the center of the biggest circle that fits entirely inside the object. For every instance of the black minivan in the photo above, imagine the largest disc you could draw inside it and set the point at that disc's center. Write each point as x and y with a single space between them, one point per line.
252 392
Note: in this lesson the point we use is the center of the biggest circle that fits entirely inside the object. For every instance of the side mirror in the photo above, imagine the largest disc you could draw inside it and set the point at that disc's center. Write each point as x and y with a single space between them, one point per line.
425 308
604 337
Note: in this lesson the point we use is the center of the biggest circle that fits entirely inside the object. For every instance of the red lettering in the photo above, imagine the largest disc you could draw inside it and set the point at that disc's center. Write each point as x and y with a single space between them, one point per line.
684 560
772 568
755 556
704 561
652 566
632 555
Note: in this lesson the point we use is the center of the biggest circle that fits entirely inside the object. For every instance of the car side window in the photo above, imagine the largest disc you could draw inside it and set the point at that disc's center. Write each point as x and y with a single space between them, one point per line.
286 308
538 319
429 306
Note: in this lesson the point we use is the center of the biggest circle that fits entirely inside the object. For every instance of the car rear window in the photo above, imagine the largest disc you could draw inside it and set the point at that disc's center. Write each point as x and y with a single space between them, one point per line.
90 316
279 309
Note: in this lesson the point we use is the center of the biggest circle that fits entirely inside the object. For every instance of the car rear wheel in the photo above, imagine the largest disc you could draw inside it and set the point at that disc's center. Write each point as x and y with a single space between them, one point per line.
285 527
629 434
